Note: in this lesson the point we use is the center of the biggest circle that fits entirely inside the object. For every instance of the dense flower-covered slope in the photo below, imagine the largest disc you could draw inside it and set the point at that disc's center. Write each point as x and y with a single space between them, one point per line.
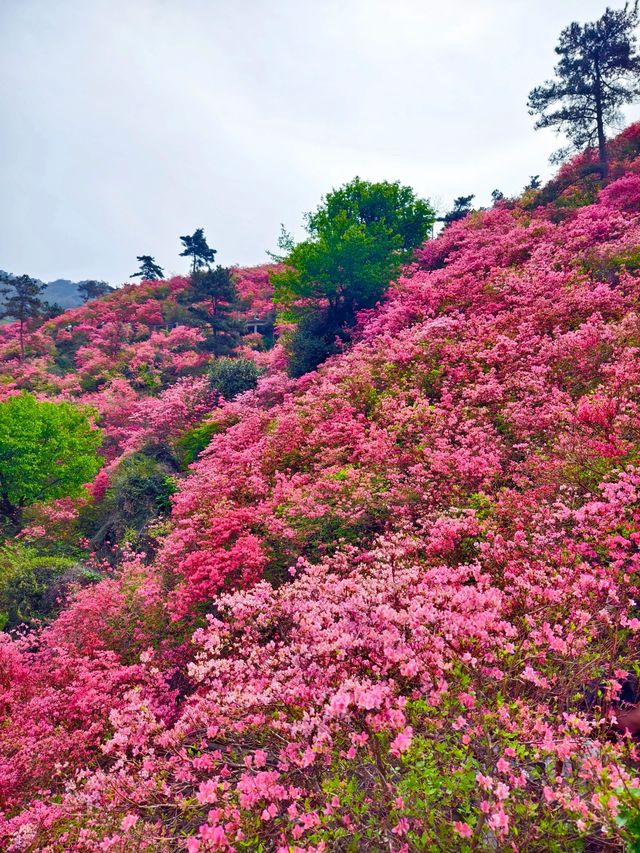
121 352
396 599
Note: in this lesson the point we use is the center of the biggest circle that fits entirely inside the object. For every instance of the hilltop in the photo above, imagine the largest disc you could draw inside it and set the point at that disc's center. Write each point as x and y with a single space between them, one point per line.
389 605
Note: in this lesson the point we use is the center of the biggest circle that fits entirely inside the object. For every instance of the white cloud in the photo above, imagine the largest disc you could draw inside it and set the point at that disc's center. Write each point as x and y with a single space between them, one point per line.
129 122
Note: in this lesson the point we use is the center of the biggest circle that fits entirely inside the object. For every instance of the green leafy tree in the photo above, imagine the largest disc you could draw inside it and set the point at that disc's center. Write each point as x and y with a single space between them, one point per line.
285 245
47 450
359 237
149 269
215 300
22 302
94 289
598 73
197 248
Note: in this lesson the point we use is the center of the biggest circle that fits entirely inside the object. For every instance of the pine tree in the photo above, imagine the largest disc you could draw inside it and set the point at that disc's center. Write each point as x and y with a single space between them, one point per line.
598 72
461 207
22 302
51 310
215 299
149 269
91 289
197 248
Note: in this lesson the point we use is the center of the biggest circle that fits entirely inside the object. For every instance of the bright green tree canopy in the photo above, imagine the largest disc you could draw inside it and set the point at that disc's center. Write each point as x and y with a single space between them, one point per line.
47 450
359 238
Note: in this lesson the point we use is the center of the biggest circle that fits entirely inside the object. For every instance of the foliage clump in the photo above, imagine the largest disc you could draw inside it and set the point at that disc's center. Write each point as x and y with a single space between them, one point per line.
359 238
138 493
47 450
215 304
233 376
32 586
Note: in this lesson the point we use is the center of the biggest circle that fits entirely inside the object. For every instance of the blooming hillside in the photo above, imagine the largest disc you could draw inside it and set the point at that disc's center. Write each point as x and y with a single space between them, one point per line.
132 355
396 599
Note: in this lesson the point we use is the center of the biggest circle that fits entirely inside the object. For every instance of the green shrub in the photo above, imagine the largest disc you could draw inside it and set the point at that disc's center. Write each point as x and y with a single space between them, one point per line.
26 583
139 492
312 342
192 442
629 817
233 376
90 382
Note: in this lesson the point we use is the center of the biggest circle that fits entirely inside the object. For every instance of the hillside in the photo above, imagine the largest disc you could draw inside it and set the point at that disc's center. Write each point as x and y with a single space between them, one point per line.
394 603
122 353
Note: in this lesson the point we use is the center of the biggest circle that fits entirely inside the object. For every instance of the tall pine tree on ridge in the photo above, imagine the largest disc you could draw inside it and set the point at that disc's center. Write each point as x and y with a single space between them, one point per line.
598 73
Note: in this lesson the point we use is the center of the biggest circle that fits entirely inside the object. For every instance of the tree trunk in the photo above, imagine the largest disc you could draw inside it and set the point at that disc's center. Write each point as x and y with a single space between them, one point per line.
602 149
21 339
12 513
602 141
214 331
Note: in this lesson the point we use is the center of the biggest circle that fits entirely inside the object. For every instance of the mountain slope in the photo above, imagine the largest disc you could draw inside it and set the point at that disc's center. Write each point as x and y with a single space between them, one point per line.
396 599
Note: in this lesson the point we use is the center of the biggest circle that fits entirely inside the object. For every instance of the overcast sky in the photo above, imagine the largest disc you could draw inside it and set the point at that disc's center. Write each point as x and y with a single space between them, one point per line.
125 123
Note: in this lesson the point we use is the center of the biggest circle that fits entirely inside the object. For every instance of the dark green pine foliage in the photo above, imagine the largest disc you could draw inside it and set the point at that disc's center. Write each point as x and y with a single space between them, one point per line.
51 310
91 289
214 303
149 269
597 74
197 248
461 208
21 301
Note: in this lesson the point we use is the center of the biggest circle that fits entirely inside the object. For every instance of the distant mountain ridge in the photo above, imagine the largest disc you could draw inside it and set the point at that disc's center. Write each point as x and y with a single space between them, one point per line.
61 291
64 292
